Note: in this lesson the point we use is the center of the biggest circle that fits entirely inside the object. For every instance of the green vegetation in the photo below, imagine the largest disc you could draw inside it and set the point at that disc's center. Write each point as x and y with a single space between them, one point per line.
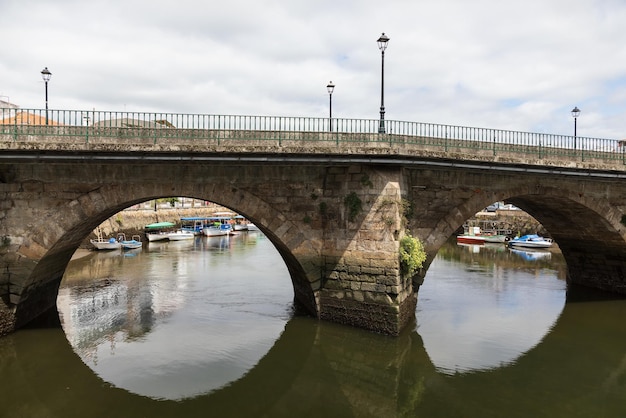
624 220
354 206
412 255
323 208
307 219
365 181
407 209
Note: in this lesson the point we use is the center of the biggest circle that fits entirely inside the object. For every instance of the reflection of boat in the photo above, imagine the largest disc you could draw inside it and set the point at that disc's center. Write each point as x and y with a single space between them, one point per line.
532 255
133 243
530 241
180 235
102 243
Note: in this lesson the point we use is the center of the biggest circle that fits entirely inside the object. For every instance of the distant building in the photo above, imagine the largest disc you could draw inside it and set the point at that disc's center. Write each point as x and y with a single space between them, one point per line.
24 118
7 109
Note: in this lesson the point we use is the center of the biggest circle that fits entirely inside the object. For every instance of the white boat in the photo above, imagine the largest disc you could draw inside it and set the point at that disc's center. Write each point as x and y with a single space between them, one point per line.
101 243
106 244
217 226
530 241
495 238
158 231
180 235
240 223
134 242
252 227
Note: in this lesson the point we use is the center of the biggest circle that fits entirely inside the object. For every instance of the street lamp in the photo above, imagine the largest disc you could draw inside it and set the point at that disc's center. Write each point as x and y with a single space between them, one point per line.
382 45
46 74
330 87
575 113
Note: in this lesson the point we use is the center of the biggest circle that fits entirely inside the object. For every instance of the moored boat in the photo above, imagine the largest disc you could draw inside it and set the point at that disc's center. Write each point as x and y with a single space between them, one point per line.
101 243
240 223
106 244
530 241
129 244
496 238
471 236
217 226
158 231
470 239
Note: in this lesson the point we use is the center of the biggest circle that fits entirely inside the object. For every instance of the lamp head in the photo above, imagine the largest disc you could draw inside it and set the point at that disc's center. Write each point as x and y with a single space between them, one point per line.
46 74
330 87
382 42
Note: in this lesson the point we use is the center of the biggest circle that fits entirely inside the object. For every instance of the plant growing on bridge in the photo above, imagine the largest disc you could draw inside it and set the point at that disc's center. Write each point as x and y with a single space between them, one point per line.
624 220
323 208
354 206
412 255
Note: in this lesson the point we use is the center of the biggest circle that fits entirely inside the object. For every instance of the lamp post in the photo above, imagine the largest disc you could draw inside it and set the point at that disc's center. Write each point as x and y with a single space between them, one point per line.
382 45
330 87
46 74
575 113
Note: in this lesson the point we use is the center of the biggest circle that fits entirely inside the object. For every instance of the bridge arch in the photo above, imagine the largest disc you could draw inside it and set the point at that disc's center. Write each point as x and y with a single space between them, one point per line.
585 224
58 244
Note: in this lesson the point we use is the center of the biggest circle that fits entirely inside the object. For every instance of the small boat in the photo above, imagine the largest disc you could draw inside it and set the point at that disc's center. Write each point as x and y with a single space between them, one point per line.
240 223
133 243
180 235
495 238
106 244
217 226
158 231
470 239
530 241
471 236
252 227
101 243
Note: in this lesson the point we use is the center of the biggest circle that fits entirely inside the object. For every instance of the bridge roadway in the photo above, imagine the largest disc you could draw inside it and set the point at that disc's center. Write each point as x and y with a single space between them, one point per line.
335 204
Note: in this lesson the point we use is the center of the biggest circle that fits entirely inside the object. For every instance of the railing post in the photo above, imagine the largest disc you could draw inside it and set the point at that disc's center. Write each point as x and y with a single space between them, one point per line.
15 127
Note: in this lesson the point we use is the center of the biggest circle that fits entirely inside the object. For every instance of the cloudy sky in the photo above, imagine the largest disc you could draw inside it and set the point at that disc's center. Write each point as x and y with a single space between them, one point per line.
518 65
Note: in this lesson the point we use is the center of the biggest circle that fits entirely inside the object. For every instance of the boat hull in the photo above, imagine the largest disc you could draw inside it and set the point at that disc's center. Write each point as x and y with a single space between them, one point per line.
470 239
530 241
106 245
530 244
152 236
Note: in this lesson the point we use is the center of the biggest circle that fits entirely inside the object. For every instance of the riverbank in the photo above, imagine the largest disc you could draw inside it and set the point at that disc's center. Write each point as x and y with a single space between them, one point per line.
133 221
517 222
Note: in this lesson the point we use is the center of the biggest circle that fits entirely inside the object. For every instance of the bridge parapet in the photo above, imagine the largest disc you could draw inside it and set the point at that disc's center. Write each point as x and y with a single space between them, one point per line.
96 131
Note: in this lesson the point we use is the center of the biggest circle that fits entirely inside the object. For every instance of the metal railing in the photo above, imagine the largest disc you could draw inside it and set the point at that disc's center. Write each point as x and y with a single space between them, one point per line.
82 125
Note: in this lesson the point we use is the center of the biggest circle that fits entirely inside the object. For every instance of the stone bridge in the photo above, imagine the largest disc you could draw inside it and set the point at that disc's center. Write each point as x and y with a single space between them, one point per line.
335 205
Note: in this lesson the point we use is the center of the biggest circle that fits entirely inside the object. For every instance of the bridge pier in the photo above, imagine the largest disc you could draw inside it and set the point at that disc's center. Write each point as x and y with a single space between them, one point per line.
362 282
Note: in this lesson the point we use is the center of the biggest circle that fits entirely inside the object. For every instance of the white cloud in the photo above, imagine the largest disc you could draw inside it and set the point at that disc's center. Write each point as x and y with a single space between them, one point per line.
487 63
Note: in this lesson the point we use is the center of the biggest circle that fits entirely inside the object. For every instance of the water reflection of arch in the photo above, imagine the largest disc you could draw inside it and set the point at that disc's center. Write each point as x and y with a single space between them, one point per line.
556 375
323 362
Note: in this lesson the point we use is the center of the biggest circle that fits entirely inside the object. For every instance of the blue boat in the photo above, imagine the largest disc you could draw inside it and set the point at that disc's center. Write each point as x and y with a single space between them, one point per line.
530 241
